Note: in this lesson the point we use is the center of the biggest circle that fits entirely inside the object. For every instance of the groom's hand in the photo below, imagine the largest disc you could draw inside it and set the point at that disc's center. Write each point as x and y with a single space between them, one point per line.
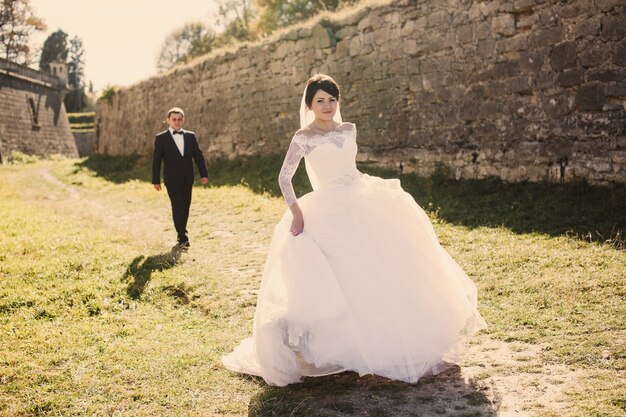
204 180
157 187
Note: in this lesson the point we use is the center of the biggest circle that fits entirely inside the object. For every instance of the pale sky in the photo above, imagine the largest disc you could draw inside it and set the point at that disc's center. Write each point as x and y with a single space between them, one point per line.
121 38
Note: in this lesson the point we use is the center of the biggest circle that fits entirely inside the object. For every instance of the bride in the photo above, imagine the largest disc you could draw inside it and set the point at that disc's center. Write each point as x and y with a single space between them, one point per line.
355 278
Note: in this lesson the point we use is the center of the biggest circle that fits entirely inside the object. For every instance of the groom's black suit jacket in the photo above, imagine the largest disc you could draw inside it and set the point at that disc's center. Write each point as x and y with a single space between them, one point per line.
177 169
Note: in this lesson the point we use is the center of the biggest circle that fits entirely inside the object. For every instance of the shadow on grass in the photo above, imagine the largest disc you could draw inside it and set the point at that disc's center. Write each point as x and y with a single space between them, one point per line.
140 270
118 169
582 211
578 210
348 394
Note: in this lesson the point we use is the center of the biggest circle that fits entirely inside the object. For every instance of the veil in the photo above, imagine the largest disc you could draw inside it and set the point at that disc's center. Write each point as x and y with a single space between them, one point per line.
306 118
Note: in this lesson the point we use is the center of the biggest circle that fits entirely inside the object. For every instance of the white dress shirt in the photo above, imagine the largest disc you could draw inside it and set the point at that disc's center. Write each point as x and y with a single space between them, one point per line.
180 141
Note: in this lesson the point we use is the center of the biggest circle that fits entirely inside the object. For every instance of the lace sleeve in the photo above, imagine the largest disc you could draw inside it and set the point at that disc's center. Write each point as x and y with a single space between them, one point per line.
294 154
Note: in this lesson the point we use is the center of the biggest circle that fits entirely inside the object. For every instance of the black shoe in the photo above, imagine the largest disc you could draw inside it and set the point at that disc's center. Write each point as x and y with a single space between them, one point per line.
184 245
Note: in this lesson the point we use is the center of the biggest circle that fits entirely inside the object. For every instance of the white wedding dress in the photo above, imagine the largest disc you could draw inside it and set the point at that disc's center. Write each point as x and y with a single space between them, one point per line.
366 287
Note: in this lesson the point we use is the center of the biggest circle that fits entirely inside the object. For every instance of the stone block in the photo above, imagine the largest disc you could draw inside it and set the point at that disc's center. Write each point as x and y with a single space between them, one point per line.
606 75
590 97
531 62
468 111
408 28
381 37
486 49
487 171
397 67
355 46
283 49
346 32
415 83
608 5
513 174
587 27
428 66
613 107
592 55
618 157
443 64
409 47
376 22
365 24
489 8
368 39
438 19
619 54
421 24
570 78
474 11
614 28
489 109
545 37
464 34
506 7
570 11
504 69
495 88
600 165
516 43
503 24
482 30
518 85
413 66
520 6
616 89
459 18
563 56
527 21
321 37
276 67
342 49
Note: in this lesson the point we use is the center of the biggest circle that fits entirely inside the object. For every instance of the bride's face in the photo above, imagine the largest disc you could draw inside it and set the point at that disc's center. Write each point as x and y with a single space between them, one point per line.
324 105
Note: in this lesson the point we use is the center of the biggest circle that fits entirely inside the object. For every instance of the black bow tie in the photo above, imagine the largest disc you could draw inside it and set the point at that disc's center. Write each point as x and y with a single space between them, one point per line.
179 132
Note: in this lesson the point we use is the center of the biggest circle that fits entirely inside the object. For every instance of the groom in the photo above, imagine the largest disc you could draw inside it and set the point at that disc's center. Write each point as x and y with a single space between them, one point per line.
176 148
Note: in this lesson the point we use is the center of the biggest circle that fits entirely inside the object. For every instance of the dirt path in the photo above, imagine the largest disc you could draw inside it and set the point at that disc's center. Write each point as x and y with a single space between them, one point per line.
495 379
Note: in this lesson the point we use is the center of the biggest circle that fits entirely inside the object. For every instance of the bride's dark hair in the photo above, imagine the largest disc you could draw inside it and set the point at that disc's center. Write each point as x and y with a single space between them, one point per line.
320 82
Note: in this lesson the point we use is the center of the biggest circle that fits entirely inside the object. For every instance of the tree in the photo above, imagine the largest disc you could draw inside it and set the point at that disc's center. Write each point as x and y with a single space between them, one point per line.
17 24
237 17
181 46
276 14
55 46
76 75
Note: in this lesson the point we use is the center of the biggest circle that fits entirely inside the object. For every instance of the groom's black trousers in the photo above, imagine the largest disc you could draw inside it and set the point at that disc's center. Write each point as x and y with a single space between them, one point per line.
180 197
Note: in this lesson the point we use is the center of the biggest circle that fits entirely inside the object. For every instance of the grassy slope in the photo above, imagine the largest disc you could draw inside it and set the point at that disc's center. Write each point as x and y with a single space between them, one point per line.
97 316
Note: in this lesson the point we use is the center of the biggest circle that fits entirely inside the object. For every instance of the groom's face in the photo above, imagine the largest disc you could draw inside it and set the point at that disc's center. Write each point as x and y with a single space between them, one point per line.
175 120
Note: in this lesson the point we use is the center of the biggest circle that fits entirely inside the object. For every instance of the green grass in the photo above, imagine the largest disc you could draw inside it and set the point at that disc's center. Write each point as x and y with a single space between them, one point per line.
82 127
82 122
84 117
99 316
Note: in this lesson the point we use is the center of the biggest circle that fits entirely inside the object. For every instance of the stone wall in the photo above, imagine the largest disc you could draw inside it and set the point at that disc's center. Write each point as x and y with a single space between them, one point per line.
32 114
84 143
520 90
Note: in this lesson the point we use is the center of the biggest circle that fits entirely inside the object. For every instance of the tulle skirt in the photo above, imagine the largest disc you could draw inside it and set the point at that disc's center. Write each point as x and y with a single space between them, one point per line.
366 287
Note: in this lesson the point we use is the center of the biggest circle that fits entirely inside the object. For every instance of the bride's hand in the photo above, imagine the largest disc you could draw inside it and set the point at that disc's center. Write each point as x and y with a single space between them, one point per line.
297 225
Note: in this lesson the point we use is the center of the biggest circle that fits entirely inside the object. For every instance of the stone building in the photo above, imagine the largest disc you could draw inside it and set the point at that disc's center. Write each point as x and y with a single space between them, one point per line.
32 114
522 90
